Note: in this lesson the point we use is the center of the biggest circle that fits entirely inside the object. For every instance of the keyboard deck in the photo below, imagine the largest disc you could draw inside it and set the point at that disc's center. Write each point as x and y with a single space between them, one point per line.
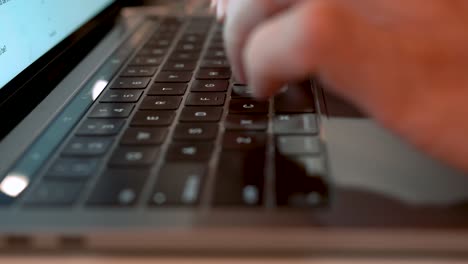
174 129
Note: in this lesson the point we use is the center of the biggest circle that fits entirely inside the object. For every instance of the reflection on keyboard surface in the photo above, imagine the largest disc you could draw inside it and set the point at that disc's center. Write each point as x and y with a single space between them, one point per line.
175 130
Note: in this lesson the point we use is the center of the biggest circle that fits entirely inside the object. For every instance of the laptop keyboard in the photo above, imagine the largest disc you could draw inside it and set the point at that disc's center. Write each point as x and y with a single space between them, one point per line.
174 129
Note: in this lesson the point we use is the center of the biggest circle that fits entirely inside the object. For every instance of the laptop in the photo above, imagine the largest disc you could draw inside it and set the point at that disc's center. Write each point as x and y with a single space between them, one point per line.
124 131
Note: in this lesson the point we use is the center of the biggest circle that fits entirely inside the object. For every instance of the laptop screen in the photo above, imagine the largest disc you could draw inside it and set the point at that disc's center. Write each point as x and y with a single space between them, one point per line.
30 28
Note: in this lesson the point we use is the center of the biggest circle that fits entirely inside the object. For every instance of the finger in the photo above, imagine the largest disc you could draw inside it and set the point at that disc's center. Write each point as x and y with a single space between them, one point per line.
289 46
221 9
241 18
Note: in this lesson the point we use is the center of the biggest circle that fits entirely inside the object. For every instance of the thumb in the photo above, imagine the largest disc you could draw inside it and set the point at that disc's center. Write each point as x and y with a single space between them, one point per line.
289 46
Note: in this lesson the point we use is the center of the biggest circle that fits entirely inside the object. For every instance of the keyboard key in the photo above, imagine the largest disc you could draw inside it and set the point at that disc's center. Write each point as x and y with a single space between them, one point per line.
216 54
144 136
134 156
188 47
118 188
121 96
161 103
179 184
53 193
153 118
131 83
247 122
134 71
111 110
73 168
215 64
298 145
168 89
188 152
152 52
213 74
159 43
174 76
295 124
146 61
184 56
195 132
209 86
241 91
295 99
248 106
206 99
244 140
180 66
100 127
300 181
87 146
201 114
193 38
240 179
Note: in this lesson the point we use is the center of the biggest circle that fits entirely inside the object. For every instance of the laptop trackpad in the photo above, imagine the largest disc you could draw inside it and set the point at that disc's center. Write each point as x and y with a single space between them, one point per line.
363 155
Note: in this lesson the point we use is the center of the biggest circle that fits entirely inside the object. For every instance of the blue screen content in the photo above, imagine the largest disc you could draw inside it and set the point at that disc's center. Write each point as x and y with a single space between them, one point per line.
30 28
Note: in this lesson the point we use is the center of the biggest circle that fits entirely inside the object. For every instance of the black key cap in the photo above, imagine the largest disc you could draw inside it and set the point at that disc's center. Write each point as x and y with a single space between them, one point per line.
121 96
51 193
193 38
146 61
184 56
196 132
100 127
302 124
158 42
296 99
215 64
298 145
209 86
73 168
244 140
188 47
139 71
213 74
152 52
201 114
144 136
216 54
87 146
247 122
247 106
216 44
134 156
300 181
174 76
206 99
168 89
188 152
240 179
180 66
153 118
179 184
161 103
118 188
241 91
131 83
111 110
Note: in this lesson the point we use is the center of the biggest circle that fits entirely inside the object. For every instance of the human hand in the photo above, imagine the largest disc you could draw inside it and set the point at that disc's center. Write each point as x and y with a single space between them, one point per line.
405 62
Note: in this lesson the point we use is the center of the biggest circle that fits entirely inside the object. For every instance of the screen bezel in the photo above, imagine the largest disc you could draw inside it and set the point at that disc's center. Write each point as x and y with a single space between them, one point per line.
24 92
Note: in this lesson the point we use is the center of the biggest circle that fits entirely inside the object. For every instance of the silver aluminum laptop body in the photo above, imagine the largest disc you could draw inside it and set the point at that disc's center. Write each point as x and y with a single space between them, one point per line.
384 196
